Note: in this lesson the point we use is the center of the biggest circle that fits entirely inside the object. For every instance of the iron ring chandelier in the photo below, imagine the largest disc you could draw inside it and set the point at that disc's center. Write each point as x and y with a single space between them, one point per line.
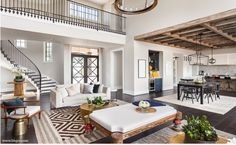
118 6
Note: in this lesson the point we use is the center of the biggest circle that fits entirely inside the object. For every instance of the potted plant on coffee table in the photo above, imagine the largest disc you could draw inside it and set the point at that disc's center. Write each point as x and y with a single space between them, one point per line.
199 130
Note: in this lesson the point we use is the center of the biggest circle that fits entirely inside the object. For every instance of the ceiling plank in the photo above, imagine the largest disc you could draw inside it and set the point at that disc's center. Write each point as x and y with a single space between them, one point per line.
189 24
218 31
190 40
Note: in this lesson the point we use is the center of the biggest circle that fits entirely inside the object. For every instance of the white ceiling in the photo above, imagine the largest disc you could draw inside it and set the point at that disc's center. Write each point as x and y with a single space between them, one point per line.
101 2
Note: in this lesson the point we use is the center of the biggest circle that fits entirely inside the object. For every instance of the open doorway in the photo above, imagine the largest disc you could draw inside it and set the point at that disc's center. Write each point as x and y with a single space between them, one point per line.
117 70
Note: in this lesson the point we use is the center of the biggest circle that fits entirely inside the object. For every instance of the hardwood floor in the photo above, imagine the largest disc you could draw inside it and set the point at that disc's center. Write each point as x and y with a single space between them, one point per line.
226 122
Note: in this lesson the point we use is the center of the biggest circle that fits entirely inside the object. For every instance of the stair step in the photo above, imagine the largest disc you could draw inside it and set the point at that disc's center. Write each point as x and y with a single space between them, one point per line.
46 82
48 88
44 92
36 79
48 85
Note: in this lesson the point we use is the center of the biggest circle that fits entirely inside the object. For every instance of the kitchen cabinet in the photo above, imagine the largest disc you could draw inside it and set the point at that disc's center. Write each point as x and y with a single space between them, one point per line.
232 59
225 59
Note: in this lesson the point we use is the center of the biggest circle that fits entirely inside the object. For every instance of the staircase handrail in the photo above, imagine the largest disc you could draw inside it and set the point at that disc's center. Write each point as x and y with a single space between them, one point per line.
27 58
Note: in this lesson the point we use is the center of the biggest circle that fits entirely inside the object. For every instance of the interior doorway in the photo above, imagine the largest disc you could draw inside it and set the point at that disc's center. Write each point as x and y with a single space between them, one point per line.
117 70
175 70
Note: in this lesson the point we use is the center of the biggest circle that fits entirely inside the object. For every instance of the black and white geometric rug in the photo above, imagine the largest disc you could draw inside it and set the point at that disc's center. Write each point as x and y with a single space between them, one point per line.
68 122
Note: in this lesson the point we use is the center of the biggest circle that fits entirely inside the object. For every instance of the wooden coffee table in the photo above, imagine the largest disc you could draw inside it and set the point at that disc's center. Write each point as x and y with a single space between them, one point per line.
86 109
180 139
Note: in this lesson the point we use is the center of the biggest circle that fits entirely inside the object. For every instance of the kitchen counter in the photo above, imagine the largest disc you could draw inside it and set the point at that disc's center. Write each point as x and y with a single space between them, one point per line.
225 84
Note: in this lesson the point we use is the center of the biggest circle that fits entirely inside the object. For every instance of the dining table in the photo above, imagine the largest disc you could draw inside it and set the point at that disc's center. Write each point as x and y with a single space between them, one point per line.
199 88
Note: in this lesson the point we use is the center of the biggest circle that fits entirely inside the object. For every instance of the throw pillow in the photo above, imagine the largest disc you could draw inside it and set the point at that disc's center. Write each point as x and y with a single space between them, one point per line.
100 89
16 102
95 88
72 91
88 89
77 87
63 91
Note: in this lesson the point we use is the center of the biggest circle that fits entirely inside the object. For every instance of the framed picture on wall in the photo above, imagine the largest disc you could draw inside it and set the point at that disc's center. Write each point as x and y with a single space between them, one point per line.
141 68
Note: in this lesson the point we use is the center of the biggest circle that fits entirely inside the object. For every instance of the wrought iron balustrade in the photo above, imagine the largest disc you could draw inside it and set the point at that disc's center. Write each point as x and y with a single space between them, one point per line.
68 12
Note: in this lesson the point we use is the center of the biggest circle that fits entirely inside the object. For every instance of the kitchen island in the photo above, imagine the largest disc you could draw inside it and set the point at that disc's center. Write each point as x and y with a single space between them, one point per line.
226 84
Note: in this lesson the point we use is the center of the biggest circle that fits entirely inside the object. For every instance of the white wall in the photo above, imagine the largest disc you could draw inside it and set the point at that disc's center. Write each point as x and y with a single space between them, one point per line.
117 69
39 26
54 70
167 13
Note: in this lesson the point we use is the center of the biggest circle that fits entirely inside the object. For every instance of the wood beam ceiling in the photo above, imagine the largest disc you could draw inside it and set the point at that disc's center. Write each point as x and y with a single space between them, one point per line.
218 31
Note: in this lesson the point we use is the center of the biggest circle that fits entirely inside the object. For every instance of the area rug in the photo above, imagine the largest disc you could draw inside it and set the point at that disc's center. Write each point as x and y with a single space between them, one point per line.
162 136
219 106
65 126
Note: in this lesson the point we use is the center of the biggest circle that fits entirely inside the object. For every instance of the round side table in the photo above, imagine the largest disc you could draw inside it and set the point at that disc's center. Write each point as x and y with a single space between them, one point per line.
19 125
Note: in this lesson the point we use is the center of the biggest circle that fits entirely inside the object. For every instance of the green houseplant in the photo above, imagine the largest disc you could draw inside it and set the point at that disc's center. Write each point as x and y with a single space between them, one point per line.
97 102
18 74
199 130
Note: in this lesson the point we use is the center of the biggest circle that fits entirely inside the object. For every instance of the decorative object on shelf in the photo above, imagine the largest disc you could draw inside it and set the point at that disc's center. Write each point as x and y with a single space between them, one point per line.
199 80
148 110
155 74
144 104
199 130
177 122
133 7
212 60
141 68
198 58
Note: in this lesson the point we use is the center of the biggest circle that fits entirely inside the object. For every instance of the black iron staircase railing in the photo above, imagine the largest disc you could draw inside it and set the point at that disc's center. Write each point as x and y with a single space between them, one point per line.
68 12
19 59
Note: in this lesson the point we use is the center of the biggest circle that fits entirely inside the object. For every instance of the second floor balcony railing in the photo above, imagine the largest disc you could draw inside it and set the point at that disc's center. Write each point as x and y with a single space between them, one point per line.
67 11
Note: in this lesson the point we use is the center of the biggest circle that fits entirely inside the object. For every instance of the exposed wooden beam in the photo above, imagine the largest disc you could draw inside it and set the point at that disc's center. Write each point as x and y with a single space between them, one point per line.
190 40
215 17
218 31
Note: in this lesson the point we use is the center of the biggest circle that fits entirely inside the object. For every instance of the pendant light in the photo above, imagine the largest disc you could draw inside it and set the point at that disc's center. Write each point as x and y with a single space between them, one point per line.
198 58
212 60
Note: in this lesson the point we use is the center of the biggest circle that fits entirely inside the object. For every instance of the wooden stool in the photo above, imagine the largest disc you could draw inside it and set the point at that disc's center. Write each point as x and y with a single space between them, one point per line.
19 125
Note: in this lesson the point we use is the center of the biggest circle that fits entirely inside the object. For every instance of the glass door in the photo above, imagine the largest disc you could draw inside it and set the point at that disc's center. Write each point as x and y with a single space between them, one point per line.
85 69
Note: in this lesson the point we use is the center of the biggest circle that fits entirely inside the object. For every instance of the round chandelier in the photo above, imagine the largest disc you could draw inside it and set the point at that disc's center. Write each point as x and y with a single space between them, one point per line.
133 7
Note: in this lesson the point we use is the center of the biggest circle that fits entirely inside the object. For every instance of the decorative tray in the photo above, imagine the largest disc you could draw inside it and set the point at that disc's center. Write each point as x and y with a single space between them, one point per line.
148 110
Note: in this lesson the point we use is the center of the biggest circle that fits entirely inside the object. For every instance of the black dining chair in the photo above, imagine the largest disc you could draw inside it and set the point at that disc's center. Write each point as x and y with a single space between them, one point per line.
189 93
216 90
208 92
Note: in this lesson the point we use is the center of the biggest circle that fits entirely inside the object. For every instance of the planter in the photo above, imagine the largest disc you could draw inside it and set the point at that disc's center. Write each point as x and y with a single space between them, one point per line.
189 140
19 80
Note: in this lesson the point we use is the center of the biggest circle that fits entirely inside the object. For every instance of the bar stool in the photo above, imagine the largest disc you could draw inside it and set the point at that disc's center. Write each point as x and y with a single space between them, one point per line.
228 81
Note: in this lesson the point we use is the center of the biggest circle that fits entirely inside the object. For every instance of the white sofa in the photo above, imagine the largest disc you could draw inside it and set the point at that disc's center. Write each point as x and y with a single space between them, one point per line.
58 99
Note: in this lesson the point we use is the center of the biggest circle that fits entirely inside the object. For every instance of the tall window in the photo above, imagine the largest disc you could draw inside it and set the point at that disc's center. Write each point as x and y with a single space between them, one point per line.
48 52
20 43
82 12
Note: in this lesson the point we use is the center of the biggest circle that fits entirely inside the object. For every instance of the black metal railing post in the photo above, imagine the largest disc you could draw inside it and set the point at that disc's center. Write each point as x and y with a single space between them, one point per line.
54 10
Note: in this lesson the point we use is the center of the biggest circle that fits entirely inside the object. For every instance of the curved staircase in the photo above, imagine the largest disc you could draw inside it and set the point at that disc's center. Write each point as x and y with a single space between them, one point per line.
18 59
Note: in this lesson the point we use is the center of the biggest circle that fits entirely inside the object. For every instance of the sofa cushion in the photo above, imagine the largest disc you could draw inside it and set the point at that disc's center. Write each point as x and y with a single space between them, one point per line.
62 91
100 89
88 89
95 88
72 91
77 87
78 97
